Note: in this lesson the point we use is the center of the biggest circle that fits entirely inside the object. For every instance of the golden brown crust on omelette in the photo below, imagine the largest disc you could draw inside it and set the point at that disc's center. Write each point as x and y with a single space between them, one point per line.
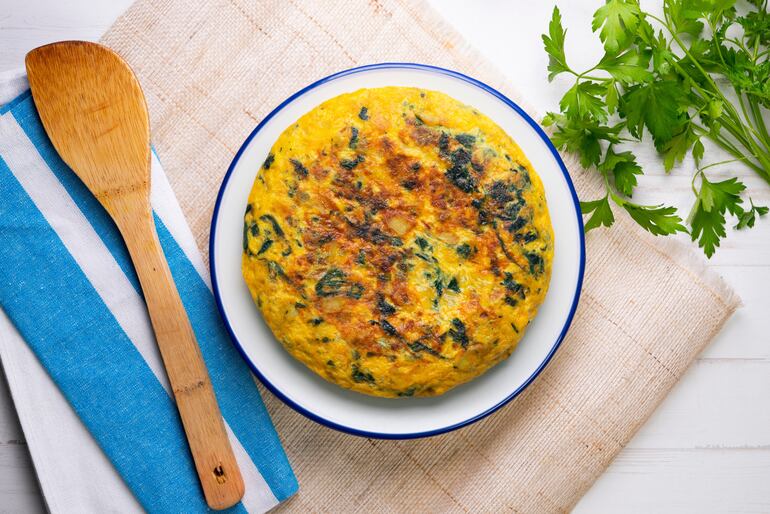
397 242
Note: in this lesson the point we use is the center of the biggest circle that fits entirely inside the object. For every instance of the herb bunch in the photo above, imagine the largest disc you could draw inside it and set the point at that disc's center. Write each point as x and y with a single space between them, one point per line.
699 72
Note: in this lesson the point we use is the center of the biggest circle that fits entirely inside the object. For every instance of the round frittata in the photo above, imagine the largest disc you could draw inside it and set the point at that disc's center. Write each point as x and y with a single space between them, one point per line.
397 242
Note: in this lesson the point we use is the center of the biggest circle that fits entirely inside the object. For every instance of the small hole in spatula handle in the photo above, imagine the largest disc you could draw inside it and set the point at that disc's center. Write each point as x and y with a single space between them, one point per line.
220 475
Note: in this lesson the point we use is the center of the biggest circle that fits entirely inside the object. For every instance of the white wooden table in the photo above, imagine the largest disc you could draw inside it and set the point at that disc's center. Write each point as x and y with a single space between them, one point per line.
707 448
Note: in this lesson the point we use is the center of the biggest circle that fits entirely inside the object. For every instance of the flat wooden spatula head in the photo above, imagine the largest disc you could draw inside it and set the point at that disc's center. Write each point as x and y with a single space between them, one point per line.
95 114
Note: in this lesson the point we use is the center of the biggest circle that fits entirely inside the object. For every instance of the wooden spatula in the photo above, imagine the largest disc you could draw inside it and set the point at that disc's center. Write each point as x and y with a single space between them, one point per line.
95 114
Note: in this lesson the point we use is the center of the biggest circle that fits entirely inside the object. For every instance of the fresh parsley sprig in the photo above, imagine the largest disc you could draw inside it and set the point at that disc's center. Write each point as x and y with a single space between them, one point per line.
672 77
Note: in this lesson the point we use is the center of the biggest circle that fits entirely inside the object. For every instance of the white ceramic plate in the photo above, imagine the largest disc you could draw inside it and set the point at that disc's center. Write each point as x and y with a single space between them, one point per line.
356 413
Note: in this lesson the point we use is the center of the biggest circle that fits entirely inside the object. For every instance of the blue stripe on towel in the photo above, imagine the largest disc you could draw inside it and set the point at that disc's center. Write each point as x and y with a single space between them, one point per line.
91 359
238 396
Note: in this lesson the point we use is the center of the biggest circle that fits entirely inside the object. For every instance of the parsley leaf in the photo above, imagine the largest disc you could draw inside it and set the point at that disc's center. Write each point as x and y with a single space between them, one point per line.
625 176
554 46
628 67
723 195
618 20
708 227
756 25
655 105
582 136
583 100
600 211
748 218
624 170
675 149
707 218
659 220
683 17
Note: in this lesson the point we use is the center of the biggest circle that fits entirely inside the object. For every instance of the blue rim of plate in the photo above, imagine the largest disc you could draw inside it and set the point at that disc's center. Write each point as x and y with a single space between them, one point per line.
364 433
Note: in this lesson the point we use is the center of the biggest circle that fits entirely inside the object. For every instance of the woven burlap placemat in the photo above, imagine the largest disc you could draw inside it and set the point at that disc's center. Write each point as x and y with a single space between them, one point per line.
212 70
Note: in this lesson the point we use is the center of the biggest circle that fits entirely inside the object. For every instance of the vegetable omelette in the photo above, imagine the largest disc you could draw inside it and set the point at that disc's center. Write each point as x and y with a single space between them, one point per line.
397 242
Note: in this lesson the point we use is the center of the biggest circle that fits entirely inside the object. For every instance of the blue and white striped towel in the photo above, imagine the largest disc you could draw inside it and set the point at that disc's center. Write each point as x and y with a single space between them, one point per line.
68 289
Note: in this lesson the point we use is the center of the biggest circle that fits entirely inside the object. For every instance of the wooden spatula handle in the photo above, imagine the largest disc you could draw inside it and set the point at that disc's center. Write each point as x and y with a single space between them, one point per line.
219 474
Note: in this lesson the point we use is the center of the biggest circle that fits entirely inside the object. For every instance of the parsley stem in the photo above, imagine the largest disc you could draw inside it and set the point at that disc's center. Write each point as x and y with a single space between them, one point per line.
611 191
694 191
732 123
739 125
721 142
748 119
720 163
739 44
759 119
589 71
751 145
729 125
732 150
